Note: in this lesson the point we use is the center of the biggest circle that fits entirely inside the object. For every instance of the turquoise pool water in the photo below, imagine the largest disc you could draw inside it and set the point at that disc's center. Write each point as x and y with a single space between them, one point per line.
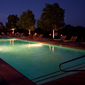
36 59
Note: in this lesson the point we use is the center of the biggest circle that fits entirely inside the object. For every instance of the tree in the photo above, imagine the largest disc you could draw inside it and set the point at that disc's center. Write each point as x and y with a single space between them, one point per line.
26 21
52 18
12 20
2 27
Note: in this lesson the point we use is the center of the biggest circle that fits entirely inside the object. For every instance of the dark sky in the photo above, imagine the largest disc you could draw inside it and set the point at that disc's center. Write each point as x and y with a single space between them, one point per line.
74 9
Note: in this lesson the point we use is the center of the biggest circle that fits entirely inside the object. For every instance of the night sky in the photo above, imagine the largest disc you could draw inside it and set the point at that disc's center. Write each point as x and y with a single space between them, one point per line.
74 9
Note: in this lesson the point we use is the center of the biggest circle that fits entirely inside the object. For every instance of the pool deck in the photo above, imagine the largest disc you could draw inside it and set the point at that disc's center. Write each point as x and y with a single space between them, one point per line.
76 79
10 76
8 73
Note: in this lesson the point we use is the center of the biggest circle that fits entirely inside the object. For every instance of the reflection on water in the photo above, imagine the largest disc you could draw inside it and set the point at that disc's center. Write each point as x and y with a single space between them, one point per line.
29 45
12 42
51 48
34 45
1 49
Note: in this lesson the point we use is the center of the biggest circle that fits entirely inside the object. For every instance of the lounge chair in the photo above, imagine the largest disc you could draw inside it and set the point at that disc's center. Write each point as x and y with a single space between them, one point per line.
72 39
61 39
38 37
17 34
83 43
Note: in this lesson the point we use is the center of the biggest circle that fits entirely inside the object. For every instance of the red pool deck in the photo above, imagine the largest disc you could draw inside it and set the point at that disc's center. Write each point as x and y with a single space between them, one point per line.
76 79
10 76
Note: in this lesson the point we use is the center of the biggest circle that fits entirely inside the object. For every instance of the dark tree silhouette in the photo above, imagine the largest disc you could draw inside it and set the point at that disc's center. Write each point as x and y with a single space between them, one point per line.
52 17
26 21
12 20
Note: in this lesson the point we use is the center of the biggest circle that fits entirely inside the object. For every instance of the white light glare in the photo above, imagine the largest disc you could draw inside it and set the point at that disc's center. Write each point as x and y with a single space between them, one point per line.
34 45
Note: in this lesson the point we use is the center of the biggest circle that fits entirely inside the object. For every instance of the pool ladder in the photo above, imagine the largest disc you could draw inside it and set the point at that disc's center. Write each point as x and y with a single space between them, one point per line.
60 74
70 61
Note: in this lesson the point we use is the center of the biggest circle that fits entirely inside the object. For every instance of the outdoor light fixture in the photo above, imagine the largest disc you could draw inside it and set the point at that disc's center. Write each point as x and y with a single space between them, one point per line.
61 35
13 30
29 32
35 33
49 34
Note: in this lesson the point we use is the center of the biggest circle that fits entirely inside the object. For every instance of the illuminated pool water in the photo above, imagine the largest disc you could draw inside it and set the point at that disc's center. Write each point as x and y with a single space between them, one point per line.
36 59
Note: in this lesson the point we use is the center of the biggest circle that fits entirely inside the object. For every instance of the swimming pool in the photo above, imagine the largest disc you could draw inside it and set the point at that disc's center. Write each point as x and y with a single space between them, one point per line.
34 59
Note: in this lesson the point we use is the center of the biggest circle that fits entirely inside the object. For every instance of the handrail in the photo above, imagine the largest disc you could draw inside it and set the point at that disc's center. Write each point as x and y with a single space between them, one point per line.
36 79
70 61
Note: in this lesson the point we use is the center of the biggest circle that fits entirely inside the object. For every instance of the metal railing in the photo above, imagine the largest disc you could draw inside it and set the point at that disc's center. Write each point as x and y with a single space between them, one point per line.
68 62
57 74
